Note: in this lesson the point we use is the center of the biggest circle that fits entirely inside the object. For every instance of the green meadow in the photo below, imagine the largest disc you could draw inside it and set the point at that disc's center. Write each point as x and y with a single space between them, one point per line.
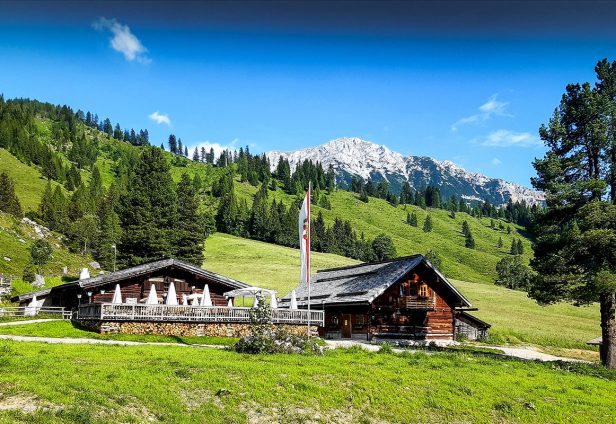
47 383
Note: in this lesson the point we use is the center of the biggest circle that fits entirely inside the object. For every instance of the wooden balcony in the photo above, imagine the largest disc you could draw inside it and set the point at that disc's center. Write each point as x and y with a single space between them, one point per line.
415 302
187 313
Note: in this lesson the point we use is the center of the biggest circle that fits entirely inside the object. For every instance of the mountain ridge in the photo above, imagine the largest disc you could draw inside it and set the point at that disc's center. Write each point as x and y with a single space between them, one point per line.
353 156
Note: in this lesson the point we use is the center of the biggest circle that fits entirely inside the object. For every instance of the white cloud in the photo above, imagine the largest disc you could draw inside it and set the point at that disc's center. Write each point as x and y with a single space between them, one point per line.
506 138
496 161
160 118
492 107
123 40
218 148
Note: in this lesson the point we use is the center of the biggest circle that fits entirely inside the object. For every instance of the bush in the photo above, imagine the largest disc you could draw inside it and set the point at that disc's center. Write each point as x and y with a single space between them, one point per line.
28 274
263 337
513 274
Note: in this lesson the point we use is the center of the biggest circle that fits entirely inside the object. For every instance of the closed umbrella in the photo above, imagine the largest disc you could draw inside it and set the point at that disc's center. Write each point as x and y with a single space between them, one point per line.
172 298
206 300
117 295
293 300
184 299
153 296
31 309
273 301
230 303
84 274
256 304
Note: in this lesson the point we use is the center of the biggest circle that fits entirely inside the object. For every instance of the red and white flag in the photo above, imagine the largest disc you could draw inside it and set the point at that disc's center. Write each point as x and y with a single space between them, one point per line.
304 239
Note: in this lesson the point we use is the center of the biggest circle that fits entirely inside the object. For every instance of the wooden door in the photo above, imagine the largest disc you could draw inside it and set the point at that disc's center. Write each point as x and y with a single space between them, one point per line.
346 326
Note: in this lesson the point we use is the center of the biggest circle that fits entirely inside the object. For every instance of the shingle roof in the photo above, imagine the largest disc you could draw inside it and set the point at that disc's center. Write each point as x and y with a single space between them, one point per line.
135 271
597 341
363 283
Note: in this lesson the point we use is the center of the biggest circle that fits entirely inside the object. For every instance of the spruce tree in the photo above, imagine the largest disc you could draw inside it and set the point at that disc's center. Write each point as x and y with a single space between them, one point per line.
148 211
469 241
520 247
500 242
9 202
465 228
259 217
173 144
196 157
428 224
110 230
189 233
413 219
514 247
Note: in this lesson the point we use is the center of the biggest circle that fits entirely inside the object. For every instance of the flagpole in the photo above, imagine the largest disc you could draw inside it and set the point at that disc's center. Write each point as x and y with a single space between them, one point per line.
308 256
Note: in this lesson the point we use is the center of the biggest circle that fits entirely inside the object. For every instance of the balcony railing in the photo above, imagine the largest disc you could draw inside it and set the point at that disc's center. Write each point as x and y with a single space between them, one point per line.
189 313
412 302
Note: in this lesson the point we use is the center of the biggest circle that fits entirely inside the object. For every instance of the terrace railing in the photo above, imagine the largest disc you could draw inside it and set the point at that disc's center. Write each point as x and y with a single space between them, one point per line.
413 302
189 313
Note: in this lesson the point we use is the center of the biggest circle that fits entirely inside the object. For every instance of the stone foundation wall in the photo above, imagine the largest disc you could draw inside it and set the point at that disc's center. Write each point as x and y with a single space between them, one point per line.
183 328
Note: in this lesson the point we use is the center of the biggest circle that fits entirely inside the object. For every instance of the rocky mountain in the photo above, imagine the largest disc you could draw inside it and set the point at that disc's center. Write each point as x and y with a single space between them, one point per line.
354 156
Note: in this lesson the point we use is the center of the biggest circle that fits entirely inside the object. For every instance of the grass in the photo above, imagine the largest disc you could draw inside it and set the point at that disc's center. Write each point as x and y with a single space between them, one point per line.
15 241
262 264
105 384
514 317
64 328
29 183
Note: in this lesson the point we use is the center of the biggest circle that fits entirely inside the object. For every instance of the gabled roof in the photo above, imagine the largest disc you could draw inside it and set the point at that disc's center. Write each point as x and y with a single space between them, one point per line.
473 319
136 271
365 282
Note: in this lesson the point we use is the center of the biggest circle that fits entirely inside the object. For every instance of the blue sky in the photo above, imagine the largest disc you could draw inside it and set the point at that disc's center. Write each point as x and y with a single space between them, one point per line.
466 81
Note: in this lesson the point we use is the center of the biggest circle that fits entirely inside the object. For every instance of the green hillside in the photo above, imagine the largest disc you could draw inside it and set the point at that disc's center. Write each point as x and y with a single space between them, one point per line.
514 317
15 241
378 216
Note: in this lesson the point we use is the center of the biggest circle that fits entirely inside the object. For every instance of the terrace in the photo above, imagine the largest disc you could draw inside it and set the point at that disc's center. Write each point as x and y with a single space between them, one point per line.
191 314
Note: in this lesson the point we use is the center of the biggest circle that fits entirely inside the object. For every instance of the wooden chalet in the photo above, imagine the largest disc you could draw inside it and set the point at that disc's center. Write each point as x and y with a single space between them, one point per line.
403 298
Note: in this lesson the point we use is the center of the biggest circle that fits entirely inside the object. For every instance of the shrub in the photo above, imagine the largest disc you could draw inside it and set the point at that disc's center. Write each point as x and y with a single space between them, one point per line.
513 274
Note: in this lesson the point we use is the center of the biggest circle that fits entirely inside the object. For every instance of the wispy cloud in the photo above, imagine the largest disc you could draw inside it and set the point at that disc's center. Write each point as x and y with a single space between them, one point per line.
506 138
492 107
496 161
123 40
160 118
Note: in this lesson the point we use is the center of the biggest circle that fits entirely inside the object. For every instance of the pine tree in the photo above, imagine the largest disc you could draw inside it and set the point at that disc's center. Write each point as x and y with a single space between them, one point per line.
173 144
259 217
413 219
196 156
110 230
469 241
189 232
149 211
520 247
9 202
465 228
180 150
428 224
185 151
500 242
514 247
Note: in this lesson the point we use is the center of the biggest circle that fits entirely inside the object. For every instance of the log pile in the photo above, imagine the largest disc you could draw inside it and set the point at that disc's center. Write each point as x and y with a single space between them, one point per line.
183 328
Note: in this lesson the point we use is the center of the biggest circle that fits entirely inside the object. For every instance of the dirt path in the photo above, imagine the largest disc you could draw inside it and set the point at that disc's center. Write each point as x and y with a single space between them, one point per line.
70 340
514 352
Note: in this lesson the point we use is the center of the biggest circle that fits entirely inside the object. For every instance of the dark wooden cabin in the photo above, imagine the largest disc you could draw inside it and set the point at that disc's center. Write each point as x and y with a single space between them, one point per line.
403 298
135 285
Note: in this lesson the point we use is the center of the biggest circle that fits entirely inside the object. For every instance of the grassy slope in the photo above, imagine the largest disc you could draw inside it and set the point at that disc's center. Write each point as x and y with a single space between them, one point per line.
515 317
91 384
29 184
12 232
377 216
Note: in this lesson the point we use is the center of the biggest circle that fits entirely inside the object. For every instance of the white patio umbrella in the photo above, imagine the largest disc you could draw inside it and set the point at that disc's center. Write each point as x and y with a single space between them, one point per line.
230 303
152 297
184 299
293 300
84 274
31 309
117 295
256 303
273 301
206 300
172 298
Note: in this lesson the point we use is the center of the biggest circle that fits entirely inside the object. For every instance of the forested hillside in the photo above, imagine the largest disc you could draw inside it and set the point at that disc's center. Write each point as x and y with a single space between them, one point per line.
101 185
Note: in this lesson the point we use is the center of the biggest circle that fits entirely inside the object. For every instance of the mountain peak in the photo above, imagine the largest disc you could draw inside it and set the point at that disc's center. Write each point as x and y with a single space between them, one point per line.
353 156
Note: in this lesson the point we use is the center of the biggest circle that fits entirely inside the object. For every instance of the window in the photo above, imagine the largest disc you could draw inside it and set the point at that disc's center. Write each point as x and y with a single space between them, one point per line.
360 319
423 290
